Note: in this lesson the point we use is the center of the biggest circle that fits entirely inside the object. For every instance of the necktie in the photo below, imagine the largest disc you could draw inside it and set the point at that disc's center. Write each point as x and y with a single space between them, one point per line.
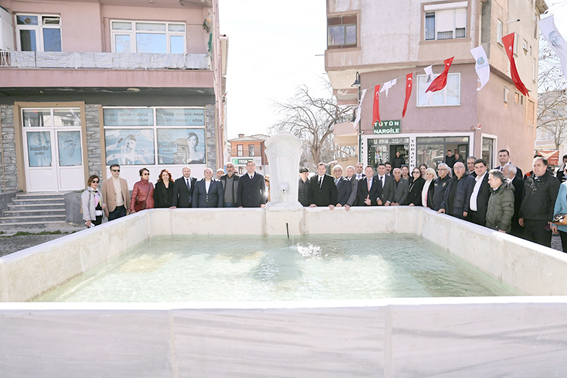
320 181
369 183
188 185
382 181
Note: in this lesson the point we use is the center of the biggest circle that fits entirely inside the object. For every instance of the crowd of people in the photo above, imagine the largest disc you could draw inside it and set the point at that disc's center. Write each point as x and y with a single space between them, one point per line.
501 198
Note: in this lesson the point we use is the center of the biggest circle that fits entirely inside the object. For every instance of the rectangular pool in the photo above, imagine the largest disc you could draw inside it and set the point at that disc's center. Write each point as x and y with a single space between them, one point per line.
275 268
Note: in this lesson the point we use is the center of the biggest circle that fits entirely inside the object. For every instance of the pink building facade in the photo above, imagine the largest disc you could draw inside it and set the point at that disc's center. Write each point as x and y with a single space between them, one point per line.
87 84
384 45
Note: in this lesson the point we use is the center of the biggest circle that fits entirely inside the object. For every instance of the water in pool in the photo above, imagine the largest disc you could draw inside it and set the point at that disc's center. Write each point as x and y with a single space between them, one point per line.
314 267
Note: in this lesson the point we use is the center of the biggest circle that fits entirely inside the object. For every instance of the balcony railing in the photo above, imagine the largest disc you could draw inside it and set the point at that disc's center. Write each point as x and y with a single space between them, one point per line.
103 60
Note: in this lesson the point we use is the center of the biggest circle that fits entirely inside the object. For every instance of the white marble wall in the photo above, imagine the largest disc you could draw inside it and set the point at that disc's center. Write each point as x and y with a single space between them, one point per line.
441 337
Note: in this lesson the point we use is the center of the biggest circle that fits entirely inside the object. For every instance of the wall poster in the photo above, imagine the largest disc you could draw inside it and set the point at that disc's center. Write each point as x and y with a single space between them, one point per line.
129 146
181 146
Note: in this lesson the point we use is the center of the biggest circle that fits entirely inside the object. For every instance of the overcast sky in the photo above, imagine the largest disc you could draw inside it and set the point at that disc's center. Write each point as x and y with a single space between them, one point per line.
272 50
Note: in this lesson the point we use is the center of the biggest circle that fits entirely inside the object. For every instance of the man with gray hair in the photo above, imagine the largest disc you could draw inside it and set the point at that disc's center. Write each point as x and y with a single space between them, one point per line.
400 188
351 176
470 164
343 186
517 185
456 201
441 184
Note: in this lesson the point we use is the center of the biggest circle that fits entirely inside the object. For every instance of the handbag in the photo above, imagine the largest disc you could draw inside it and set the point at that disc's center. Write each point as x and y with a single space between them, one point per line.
560 218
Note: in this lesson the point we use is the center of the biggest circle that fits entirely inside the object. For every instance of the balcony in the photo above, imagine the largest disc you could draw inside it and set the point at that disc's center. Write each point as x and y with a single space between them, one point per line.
103 60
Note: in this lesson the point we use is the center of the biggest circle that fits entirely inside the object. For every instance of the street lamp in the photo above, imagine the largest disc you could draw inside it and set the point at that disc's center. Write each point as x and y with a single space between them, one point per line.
358 85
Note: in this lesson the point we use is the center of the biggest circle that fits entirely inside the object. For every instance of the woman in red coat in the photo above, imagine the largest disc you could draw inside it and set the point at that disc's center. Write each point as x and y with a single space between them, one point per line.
143 193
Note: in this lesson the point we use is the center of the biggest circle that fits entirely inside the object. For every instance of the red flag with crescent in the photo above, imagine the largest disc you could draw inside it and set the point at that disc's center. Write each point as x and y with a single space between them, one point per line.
441 81
508 42
376 108
409 85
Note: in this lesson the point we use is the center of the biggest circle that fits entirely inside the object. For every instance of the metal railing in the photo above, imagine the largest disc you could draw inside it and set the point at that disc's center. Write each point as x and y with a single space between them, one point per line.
103 60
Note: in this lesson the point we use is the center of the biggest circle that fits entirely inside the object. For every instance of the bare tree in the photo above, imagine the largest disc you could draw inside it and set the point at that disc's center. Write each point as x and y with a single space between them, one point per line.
552 96
312 119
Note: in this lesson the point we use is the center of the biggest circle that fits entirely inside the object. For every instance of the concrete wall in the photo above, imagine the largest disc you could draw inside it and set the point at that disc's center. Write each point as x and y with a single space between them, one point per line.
441 337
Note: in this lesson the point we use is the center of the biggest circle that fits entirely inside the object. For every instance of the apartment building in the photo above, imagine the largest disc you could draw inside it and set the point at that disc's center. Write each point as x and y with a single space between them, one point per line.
376 41
86 84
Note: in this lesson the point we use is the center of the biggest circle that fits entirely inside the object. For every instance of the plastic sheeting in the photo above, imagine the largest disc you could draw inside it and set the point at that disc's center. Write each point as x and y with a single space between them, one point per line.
25 59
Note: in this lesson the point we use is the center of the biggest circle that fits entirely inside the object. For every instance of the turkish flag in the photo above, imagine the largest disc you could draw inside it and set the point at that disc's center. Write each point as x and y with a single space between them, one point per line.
409 85
441 81
508 42
376 108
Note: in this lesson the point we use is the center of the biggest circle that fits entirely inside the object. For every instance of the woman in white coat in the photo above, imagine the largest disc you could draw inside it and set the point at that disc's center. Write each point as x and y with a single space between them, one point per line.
92 203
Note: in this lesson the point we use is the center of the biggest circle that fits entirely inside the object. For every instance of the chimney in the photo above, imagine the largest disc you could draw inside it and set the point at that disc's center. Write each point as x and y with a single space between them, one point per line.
241 135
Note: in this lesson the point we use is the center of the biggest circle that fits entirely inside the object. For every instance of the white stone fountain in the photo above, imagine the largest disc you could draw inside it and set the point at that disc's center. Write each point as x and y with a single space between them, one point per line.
284 152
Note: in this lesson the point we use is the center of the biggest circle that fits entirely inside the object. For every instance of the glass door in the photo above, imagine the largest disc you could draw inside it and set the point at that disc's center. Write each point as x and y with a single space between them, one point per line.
53 149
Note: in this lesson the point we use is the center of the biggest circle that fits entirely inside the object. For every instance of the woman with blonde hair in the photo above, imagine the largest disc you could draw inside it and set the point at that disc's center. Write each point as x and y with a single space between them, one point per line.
428 188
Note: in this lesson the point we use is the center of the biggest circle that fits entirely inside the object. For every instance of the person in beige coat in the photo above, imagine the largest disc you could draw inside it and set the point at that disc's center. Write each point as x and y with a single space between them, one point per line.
116 195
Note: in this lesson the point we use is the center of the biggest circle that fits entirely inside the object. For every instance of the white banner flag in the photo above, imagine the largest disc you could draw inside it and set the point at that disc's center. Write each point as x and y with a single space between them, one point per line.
430 77
481 66
386 86
554 38
359 109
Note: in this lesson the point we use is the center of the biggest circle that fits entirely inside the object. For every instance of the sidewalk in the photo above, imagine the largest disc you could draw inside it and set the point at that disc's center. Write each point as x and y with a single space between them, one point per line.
13 242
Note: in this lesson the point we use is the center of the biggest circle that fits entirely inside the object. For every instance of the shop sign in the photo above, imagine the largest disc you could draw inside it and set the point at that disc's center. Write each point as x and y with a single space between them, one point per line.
180 117
244 160
128 117
387 127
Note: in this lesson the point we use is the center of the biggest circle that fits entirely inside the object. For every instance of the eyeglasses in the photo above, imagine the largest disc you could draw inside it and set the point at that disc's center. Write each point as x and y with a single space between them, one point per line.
95 181
115 170
416 172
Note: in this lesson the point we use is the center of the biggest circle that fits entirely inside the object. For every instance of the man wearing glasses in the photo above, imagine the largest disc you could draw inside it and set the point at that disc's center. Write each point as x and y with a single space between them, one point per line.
457 196
116 194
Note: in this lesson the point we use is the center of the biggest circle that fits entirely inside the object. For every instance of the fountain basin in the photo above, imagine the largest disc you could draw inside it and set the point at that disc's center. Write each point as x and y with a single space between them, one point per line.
507 336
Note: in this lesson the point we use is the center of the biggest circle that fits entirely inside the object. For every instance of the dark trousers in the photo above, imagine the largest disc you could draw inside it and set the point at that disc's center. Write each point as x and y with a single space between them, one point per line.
476 218
536 231
119 212
517 230
563 240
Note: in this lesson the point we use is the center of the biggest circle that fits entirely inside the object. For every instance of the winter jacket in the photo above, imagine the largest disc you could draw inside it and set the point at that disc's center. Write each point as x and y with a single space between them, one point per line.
500 209
88 203
461 201
561 204
143 191
540 194
441 185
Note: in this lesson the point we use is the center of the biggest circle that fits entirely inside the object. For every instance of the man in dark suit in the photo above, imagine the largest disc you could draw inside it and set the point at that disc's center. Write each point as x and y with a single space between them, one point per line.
183 190
368 188
385 187
480 194
509 172
322 189
343 186
504 159
351 177
208 192
251 191
401 186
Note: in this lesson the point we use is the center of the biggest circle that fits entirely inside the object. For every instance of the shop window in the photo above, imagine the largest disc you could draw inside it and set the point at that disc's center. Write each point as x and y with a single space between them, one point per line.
448 96
342 31
38 32
442 23
488 151
432 150
148 37
150 136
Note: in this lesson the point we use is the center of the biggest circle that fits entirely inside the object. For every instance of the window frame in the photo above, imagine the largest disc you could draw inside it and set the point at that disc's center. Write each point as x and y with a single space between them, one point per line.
344 25
239 150
444 91
39 36
432 9
132 33
251 150
499 32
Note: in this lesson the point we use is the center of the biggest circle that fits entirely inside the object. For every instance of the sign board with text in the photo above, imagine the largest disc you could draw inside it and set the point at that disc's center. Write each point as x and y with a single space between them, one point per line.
387 127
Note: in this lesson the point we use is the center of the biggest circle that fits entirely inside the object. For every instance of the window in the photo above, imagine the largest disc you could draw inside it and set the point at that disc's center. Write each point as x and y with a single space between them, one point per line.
499 32
239 150
534 70
516 38
531 112
535 26
148 37
250 150
446 21
505 95
525 46
38 32
448 96
341 31
488 150
516 97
